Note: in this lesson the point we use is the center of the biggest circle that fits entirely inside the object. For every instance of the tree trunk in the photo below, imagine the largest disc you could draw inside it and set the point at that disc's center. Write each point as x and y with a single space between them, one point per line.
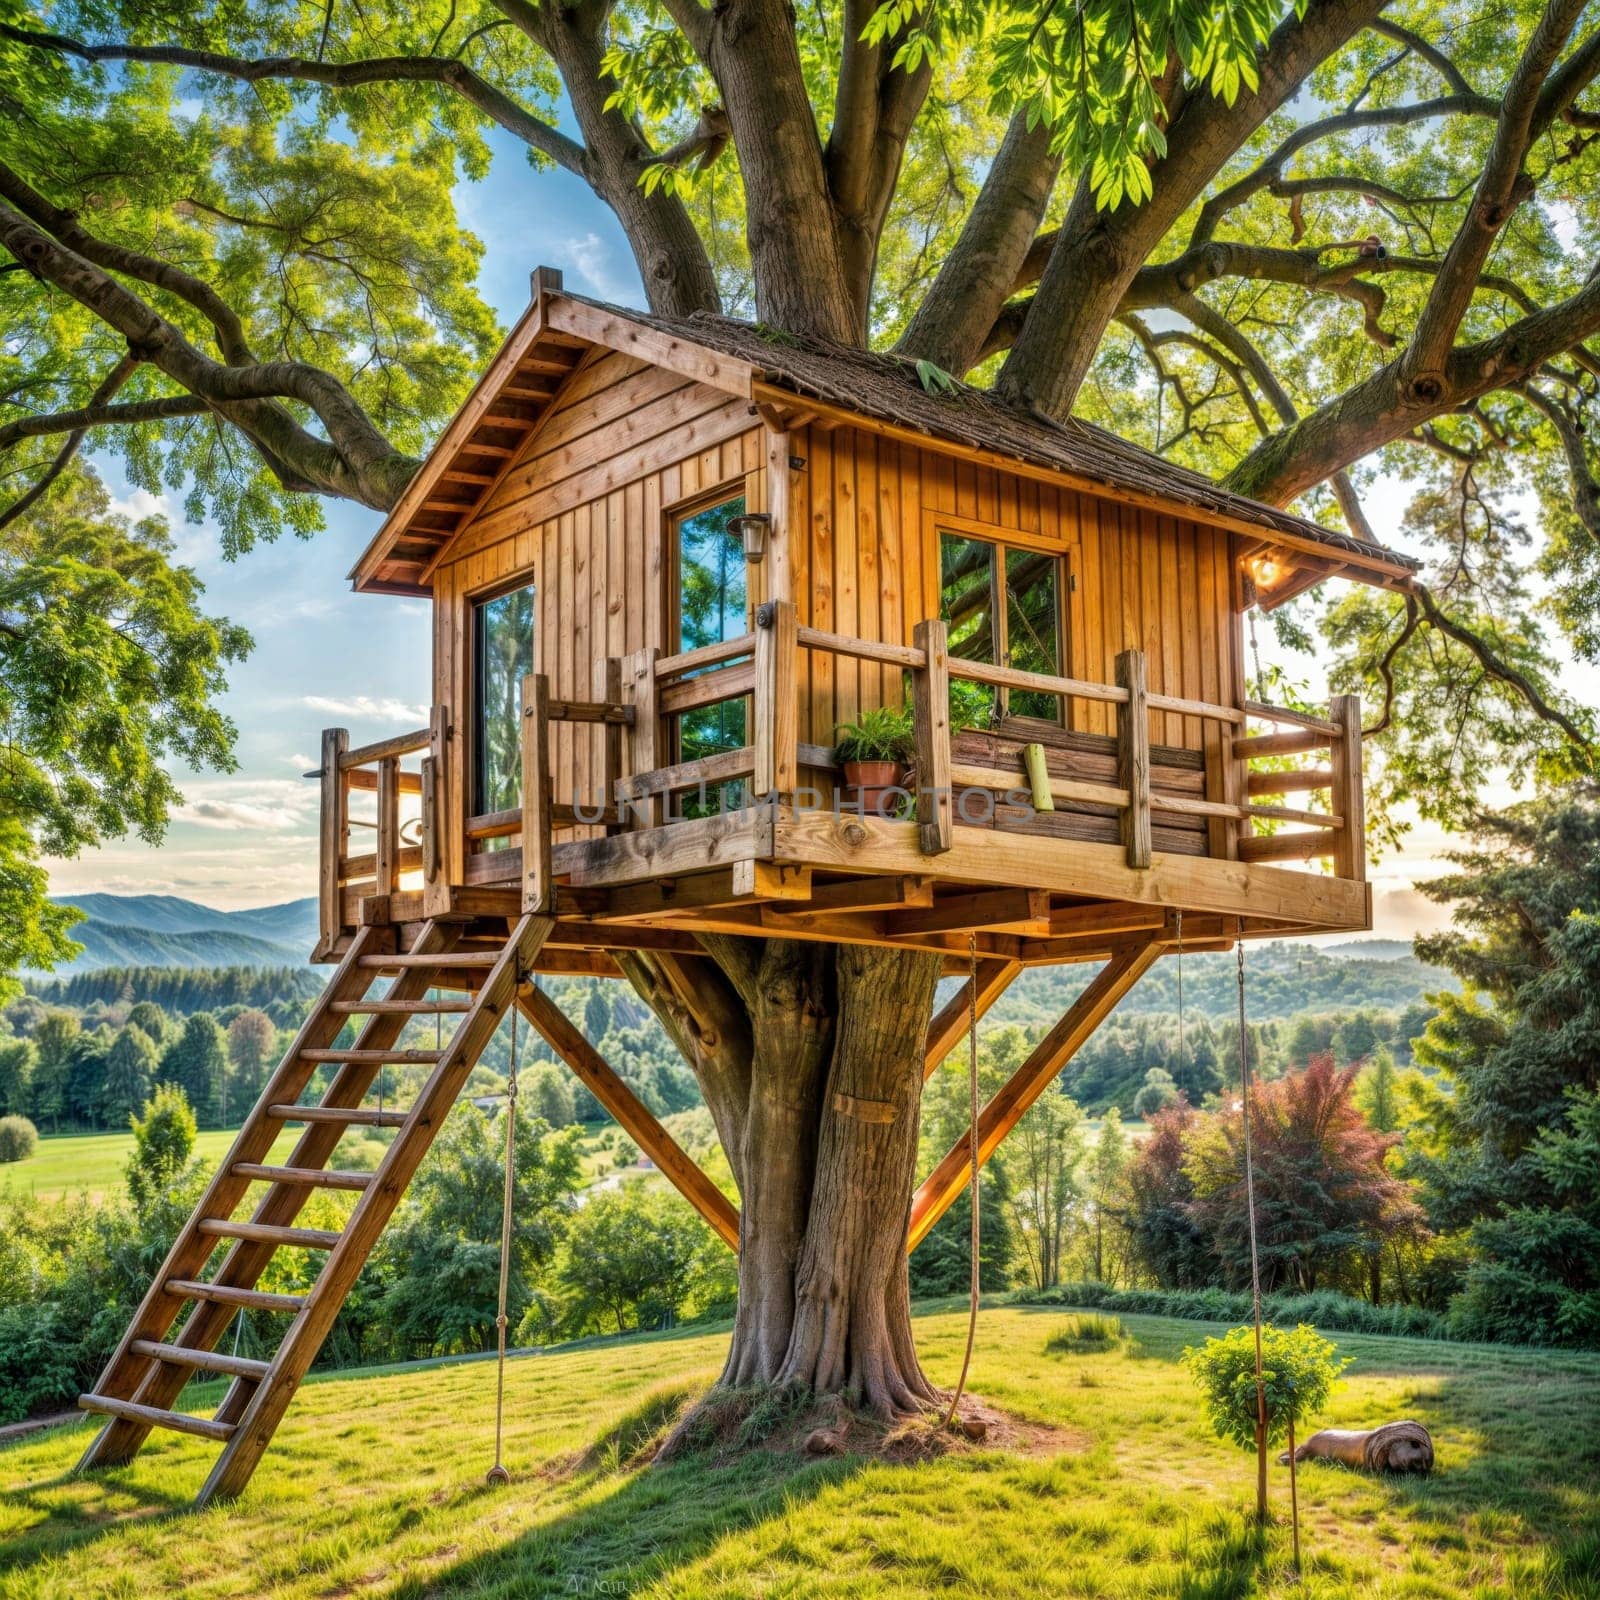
824 1151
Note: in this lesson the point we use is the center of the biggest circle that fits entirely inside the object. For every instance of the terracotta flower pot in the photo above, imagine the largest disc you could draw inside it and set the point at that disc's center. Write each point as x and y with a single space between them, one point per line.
871 774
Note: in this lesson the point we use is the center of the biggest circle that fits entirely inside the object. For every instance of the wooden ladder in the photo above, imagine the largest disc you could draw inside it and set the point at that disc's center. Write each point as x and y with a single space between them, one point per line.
142 1381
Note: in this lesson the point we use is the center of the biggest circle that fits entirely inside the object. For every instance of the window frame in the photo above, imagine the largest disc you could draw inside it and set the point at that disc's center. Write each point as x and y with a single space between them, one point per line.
475 603
1002 540
672 518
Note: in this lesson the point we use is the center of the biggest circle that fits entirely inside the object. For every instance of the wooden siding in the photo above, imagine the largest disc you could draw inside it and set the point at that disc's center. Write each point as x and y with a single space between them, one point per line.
583 513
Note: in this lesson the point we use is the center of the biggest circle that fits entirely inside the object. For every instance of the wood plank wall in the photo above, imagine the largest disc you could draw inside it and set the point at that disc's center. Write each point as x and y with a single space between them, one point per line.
583 515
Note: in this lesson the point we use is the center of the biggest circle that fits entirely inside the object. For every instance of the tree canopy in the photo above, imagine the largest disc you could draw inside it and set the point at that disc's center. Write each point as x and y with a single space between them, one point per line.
1291 245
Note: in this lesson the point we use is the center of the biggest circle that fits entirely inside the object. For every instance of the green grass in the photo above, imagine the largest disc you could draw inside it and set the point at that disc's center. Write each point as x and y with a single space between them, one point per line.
92 1163
374 1487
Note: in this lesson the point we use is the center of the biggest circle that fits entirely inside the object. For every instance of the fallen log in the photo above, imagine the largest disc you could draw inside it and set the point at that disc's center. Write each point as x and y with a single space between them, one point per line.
1395 1447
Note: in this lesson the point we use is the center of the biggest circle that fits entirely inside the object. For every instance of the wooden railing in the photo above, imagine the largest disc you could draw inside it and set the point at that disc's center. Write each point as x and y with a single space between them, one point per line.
637 700
764 666
345 876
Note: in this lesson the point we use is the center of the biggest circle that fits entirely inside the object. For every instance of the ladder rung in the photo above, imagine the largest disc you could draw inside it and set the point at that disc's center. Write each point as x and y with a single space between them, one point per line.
225 1294
206 1360
309 1177
359 1116
408 1008
446 958
178 1421
376 1057
270 1233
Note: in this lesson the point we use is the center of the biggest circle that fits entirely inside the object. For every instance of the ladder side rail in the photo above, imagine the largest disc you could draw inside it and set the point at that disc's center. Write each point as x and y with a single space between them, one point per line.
265 1410
247 1260
124 1372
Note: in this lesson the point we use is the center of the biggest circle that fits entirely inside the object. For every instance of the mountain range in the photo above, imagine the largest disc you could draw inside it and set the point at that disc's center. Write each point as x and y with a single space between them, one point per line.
163 930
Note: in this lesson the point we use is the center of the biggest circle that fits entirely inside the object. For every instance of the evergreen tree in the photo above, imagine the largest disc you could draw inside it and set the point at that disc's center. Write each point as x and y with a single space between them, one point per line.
596 1012
197 1061
1355 1040
129 1074
1378 1091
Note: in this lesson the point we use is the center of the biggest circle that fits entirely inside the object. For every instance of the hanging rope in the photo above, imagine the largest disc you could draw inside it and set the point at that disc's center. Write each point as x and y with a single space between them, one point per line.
1182 1048
972 1158
1255 1259
497 1473
1255 650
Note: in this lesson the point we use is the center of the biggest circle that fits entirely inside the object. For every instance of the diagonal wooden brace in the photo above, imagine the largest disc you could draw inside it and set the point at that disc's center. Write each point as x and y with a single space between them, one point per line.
940 1188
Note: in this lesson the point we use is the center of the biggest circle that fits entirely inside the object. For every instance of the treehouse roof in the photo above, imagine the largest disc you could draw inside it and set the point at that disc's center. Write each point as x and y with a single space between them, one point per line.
791 381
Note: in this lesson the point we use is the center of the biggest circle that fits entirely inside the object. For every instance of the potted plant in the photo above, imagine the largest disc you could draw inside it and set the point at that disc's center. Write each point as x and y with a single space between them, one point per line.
874 749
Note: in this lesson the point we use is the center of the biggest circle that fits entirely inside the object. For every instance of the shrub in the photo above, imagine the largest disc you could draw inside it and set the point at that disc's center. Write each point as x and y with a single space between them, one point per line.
1339 1313
1297 1371
1085 1335
18 1139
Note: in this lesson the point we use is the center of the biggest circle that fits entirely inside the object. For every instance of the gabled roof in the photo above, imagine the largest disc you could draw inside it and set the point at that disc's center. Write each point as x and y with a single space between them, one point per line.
785 375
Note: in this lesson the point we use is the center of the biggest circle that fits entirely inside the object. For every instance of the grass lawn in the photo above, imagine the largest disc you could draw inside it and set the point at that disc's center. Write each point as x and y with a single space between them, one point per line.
92 1163
374 1487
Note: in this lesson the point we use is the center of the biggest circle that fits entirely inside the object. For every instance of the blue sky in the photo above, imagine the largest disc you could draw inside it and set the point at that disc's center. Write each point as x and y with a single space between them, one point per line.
325 657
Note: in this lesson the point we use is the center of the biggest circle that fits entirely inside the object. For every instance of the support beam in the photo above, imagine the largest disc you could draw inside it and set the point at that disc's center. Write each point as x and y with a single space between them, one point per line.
1020 910
631 1113
940 1188
953 1018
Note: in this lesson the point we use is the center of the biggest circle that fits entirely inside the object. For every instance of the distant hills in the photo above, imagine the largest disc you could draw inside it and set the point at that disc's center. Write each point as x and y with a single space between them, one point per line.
161 930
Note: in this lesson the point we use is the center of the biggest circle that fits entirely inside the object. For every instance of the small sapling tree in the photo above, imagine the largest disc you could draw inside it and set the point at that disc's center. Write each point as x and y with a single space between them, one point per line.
1297 1371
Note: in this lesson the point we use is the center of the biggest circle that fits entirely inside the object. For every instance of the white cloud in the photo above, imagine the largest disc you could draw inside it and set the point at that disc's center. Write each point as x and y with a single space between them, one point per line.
365 707
266 805
591 258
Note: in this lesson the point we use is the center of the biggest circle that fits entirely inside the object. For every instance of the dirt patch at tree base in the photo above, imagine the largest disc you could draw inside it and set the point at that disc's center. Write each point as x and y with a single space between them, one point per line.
722 1425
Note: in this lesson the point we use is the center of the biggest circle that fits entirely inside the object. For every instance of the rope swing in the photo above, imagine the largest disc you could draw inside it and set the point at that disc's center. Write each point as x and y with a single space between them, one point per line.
497 1474
1255 1260
972 1158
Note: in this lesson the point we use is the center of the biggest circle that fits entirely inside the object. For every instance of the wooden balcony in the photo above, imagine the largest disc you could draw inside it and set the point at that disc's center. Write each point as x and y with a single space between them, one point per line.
1023 843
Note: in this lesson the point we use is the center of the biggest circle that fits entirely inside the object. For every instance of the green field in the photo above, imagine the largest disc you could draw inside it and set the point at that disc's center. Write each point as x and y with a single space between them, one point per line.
92 1163
374 1487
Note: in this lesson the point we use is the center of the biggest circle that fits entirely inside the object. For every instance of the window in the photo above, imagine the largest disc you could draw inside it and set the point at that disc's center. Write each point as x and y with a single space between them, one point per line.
1003 605
502 635
710 604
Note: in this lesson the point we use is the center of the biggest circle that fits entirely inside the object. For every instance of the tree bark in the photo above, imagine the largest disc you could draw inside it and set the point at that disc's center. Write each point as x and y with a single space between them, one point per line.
823 1145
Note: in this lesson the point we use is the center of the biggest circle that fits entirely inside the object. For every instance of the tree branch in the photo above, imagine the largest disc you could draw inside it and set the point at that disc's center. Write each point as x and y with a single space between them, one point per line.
1431 53
1585 490
356 461
444 71
1501 189
76 428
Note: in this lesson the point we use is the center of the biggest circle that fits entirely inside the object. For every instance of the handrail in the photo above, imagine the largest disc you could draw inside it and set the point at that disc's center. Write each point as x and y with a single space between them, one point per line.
400 744
705 655
1042 683
841 644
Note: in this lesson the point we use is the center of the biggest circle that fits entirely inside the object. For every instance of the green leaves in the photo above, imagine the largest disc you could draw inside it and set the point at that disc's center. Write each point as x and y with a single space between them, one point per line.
1298 1372
935 379
1092 70
109 672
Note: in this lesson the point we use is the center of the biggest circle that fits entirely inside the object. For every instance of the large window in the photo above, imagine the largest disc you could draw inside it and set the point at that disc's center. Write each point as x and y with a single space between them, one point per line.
502 643
711 602
1003 605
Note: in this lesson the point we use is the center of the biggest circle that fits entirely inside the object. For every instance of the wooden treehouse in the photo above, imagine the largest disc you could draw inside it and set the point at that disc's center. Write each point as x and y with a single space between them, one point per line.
667 559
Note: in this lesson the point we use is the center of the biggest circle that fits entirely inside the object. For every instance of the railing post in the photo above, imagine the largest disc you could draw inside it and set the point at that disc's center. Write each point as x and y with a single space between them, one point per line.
1133 757
436 814
608 691
776 721
1345 793
639 689
333 839
387 860
930 716
538 884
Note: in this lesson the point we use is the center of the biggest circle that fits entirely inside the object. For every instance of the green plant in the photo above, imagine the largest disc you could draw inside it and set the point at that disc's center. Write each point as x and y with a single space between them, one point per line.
971 705
18 1138
1085 1335
1297 1369
883 733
